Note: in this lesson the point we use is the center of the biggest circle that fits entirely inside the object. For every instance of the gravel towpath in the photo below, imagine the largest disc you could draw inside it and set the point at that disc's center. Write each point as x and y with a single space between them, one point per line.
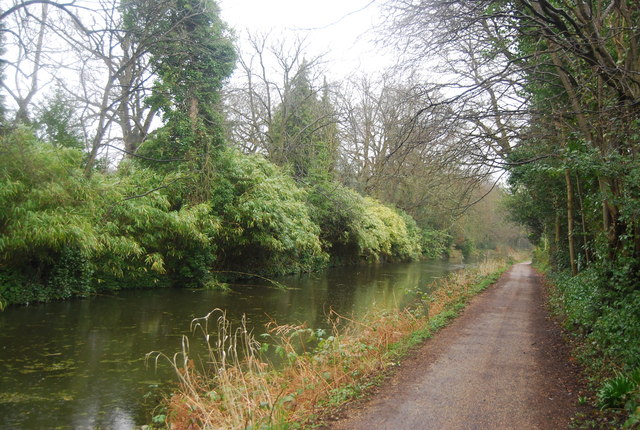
501 365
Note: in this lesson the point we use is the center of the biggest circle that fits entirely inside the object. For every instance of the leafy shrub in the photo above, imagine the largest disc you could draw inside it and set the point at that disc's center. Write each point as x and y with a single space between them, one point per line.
623 392
617 329
356 228
265 224
467 247
600 306
434 243
47 231
386 233
579 299
411 245
607 318
147 242
334 208
62 234
616 391
71 275
541 259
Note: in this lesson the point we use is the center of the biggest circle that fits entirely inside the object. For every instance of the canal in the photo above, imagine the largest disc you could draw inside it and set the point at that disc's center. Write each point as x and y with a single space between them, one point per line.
80 364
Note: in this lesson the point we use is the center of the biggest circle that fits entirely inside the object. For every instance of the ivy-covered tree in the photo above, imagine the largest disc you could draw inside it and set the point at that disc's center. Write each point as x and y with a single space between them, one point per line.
192 55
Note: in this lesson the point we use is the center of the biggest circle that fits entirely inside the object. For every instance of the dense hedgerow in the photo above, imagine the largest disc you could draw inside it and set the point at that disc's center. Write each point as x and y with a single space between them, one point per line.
605 313
610 321
64 234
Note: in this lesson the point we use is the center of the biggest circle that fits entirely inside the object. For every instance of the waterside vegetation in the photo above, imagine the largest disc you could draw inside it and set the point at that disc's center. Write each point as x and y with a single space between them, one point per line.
315 371
150 167
65 234
165 172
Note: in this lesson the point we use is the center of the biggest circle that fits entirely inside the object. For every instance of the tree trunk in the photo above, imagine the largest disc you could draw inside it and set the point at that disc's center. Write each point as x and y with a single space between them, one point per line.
104 122
572 247
585 235
556 238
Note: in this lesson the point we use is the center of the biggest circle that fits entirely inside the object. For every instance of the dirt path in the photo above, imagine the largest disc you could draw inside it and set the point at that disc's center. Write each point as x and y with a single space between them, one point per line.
501 365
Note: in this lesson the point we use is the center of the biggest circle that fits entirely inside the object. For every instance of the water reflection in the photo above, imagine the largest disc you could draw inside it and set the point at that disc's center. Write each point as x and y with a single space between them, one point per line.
80 364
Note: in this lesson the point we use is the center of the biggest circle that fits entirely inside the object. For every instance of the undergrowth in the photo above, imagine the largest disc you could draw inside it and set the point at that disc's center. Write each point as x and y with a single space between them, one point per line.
605 325
314 371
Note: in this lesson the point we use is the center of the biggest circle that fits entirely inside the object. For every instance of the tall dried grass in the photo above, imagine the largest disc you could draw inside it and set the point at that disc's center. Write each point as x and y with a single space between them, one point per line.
239 389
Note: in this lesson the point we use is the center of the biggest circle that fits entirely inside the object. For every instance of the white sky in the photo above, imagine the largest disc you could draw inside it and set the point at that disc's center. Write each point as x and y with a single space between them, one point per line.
343 29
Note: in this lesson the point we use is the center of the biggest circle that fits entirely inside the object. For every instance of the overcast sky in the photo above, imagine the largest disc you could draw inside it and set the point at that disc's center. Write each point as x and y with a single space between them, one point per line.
343 29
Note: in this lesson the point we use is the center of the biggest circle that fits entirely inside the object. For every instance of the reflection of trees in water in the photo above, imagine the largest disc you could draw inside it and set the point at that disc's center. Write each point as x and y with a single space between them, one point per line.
105 339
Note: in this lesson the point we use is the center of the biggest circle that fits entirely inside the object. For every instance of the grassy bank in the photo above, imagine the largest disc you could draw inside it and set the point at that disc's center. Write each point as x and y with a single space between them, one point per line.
317 370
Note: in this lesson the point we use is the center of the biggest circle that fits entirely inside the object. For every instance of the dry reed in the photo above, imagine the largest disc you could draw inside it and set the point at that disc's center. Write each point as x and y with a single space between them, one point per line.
239 389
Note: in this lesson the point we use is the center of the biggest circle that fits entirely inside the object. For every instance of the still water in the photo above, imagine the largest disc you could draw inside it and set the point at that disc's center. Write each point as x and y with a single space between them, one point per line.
80 364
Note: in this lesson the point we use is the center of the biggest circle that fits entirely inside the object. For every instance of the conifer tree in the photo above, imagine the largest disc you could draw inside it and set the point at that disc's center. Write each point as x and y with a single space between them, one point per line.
303 132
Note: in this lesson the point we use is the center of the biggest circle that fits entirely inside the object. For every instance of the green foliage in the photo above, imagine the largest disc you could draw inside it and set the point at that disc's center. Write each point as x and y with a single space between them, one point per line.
579 298
64 235
149 243
466 246
610 322
537 190
360 228
349 392
303 132
623 392
617 330
616 391
385 233
71 274
192 54
332 208
601 305
265 223
58 124
192 57
610 326
434 243
66 275
47 232
541 258
411 245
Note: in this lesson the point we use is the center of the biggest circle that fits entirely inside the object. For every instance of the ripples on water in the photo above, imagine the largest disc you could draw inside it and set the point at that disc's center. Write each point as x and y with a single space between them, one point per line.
80 364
